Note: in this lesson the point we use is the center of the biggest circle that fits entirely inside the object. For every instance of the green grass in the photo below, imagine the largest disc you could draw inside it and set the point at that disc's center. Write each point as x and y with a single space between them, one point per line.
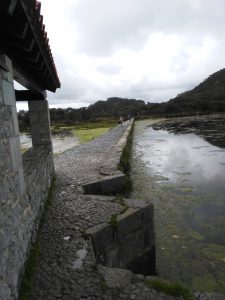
86 135
88 125
172 289
86 131
113 221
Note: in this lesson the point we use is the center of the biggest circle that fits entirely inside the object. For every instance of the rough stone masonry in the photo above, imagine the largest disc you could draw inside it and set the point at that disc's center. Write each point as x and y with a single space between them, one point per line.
24 184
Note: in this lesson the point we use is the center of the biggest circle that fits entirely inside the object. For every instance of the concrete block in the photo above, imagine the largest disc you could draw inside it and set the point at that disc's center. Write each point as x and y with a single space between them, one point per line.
44 127
15 153
131 236
39 121
34 117
38 106
46 137
102 235
109 185
15 121
36 138
45 117
9 97
130 221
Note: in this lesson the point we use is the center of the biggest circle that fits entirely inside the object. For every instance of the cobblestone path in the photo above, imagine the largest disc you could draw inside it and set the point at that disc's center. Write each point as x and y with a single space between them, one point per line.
66 266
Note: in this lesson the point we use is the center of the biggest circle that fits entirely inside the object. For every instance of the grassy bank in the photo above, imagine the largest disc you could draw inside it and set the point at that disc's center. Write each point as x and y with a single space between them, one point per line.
86 131
86 135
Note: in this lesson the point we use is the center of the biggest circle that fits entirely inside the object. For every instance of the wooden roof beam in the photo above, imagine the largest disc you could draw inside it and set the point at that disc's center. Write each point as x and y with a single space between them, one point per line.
17 30
26 95
8 7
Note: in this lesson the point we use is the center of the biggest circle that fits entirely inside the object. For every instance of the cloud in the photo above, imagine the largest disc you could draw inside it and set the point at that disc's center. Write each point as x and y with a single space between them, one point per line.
150 50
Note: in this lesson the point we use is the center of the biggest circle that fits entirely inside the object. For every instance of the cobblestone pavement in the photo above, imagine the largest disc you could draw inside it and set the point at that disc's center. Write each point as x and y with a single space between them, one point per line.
66 267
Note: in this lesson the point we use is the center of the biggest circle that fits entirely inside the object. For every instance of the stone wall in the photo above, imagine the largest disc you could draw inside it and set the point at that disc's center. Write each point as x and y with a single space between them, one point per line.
20 216
24 184
38 174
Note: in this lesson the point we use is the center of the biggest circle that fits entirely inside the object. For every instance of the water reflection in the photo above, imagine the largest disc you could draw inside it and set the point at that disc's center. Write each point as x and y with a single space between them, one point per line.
183 175
183 159
60 142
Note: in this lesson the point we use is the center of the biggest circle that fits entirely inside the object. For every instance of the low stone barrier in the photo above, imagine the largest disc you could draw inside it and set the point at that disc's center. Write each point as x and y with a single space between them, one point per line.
127 240
111 180
123 241
109 185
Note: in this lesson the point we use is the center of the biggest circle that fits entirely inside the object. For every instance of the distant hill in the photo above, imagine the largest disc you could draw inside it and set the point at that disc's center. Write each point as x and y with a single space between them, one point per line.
116 107
207 97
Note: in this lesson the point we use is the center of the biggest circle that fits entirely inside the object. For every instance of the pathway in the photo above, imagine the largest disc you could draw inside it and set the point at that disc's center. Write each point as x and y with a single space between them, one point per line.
66 267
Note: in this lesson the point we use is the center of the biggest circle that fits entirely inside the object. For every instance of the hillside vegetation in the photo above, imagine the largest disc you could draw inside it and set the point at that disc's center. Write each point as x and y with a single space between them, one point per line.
208 97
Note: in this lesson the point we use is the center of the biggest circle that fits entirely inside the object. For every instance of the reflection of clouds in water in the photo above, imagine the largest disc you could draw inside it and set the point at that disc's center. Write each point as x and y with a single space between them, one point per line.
174 155
59 144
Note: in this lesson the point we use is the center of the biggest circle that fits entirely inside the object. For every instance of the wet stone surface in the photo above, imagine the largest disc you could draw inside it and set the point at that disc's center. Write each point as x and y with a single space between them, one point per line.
180 164
66 266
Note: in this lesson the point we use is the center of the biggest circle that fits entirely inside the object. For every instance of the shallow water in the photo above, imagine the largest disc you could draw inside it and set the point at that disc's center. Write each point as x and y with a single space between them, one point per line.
60 142
184 175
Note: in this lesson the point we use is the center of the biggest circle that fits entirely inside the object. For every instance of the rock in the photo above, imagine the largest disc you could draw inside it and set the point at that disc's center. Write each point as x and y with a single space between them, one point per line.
82 253
77 264
115 278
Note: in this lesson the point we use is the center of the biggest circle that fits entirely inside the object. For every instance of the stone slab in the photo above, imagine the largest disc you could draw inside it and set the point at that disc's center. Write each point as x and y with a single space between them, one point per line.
109 185
115 278
118 245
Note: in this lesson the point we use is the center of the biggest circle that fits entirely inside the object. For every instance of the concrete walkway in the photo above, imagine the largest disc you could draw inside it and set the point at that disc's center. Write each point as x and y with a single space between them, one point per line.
66 266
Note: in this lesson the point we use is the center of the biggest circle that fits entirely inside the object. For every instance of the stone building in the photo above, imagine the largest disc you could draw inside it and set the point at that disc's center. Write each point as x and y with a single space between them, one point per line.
25 56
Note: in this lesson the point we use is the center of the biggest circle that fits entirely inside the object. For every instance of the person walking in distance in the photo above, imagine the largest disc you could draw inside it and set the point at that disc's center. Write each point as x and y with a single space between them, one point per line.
121 120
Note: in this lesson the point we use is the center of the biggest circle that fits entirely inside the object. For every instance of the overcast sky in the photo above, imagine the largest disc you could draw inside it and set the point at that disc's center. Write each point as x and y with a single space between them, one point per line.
143 49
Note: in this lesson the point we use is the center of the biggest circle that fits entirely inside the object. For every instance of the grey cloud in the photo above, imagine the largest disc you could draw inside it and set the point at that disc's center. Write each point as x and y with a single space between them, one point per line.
101 28
109 69
106 26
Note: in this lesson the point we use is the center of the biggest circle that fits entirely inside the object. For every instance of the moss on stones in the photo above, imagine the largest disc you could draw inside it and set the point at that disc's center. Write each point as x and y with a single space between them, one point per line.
172 289
31 263
113 221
